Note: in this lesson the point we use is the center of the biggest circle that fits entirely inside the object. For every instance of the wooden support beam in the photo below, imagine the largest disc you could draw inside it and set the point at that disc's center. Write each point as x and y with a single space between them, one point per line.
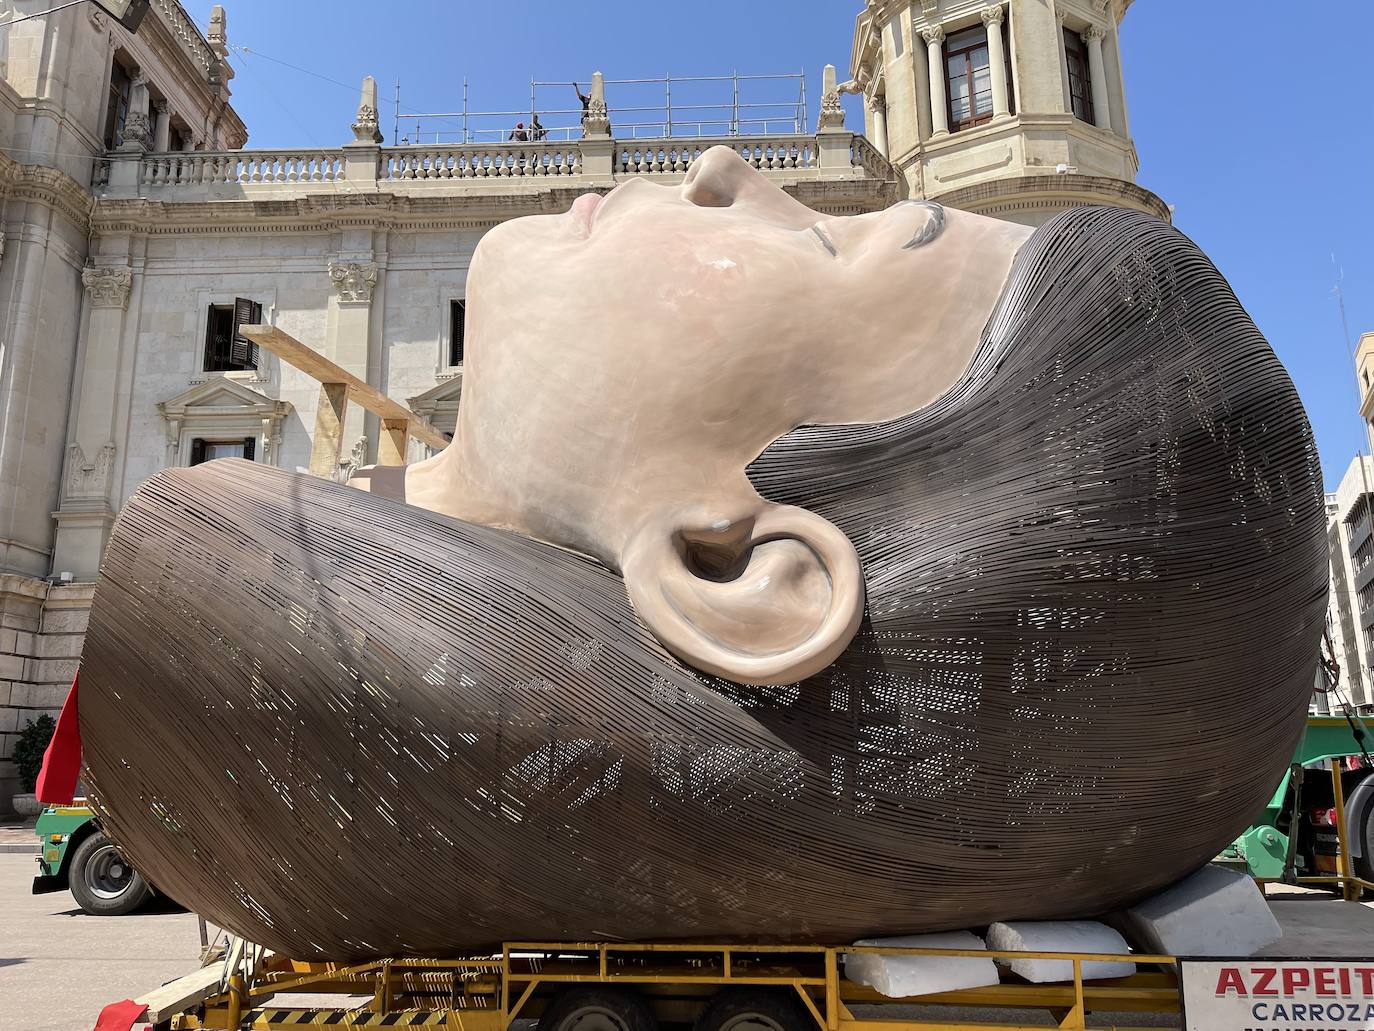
312 363
329 424
391 449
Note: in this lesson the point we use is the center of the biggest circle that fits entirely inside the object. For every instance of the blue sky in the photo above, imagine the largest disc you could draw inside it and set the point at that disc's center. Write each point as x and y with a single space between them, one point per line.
1257 131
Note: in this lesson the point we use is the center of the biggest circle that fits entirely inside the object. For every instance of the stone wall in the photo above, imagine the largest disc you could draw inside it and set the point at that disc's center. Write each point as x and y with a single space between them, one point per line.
42 627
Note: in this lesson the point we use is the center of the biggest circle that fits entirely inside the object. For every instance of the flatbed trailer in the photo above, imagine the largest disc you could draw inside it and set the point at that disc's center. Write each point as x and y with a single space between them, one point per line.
639 987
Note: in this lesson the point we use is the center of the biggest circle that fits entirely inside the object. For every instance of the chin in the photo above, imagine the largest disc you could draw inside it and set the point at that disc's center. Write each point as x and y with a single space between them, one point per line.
345 727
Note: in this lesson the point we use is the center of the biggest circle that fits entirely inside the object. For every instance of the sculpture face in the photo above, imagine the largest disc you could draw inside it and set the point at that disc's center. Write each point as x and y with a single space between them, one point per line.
629 358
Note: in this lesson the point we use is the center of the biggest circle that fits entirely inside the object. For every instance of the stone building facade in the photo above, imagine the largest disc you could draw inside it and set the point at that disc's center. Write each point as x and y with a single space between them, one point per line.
138 234
1014 109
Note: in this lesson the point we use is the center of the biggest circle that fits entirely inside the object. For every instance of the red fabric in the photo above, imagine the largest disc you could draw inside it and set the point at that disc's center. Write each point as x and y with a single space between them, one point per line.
120 1016
62 761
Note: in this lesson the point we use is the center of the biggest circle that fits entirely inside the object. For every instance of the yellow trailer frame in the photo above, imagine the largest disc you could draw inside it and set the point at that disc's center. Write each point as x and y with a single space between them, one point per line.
489 993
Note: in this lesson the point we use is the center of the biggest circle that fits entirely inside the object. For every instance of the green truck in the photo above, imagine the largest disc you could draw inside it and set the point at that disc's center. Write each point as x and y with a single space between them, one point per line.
1303 818
77 854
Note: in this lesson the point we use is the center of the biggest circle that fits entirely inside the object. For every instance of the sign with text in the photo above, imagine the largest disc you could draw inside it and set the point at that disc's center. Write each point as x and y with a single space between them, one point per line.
1278 995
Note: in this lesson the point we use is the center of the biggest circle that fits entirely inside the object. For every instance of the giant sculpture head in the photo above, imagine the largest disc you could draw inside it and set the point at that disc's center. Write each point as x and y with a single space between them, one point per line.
788 577
617 387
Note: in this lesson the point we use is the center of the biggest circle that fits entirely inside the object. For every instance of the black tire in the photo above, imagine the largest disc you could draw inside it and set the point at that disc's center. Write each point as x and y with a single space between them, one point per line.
754 1009
103 882
597 1009
1364 863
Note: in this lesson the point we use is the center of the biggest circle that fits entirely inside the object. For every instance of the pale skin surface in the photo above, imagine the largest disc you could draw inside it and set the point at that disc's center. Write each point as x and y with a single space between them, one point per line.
627 360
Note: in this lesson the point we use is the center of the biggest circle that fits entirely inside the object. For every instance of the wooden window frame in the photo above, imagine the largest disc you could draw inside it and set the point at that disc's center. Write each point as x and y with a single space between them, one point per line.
956 124
117 103
1076 53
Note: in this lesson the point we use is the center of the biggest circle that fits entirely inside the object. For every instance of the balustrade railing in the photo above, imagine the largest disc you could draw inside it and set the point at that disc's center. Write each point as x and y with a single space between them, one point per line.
477 161
481 161
649 157
864 155
198 167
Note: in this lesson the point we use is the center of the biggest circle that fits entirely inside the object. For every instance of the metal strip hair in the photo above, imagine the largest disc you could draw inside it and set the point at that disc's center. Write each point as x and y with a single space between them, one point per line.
347 728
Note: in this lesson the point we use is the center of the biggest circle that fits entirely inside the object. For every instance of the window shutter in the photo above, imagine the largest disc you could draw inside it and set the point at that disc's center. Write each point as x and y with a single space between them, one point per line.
250 447
240 350
458 327
253 348
197 451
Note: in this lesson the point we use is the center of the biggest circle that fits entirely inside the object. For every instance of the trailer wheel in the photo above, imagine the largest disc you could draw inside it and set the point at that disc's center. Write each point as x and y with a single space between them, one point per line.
752 1009
103 882
1364 862
597 1009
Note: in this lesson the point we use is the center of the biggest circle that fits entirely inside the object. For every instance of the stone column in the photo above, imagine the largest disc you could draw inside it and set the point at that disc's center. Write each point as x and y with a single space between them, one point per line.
939 106
1097 71
997 61
878 105
85 512
162 126
349 336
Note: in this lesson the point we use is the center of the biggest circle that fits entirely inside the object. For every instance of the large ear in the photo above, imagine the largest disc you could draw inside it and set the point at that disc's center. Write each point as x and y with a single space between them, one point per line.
769 597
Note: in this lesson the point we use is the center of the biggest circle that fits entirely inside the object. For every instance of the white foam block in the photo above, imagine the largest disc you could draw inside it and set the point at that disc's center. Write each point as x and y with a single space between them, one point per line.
1214 912
1059 936
899 977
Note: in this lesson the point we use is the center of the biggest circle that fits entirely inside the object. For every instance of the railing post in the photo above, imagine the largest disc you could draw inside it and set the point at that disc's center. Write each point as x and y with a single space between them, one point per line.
598 147
362 157
833 140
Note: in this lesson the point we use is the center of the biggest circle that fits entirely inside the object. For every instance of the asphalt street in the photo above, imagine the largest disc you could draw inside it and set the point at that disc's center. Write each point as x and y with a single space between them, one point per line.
59 967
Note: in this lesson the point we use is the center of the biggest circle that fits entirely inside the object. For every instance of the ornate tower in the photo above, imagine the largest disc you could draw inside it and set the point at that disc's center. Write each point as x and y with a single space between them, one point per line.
1012 108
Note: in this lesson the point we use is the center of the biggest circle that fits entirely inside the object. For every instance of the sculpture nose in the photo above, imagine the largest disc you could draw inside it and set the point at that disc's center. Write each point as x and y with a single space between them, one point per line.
716 179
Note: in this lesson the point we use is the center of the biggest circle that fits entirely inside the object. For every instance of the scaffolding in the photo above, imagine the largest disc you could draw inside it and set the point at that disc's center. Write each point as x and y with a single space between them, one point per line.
638 108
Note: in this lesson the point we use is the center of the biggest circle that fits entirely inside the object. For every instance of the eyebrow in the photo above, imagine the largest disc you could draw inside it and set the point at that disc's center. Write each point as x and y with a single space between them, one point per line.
931 229
825 241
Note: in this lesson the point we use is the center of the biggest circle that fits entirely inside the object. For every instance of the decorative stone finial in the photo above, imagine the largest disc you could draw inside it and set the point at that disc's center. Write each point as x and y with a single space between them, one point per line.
217 34
832 112
596 121
365 128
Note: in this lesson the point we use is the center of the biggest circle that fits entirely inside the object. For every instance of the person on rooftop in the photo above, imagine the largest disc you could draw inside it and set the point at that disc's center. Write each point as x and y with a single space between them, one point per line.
519 134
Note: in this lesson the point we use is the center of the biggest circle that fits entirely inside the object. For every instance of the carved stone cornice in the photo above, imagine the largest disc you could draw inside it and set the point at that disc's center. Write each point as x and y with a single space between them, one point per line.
933 34
993 15
354 280
108 285
49 187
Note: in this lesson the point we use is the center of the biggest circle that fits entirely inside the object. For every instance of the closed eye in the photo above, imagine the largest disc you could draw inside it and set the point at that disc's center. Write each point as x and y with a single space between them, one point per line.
825 240
934 226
